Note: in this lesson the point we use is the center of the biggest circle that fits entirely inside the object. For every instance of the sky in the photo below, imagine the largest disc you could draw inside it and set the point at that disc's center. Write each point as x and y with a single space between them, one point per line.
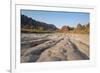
59 19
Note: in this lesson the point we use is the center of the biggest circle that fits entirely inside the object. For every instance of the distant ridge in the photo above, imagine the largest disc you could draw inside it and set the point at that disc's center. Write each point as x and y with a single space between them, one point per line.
29 23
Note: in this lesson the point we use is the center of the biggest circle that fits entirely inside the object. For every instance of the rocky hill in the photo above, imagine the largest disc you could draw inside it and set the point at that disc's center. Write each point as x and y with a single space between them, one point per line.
29 24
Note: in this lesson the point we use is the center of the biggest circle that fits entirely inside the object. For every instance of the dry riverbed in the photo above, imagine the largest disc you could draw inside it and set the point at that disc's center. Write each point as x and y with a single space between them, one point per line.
54 47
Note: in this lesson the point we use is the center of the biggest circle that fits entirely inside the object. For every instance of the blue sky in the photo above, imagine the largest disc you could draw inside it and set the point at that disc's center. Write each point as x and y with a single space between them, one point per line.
58 18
